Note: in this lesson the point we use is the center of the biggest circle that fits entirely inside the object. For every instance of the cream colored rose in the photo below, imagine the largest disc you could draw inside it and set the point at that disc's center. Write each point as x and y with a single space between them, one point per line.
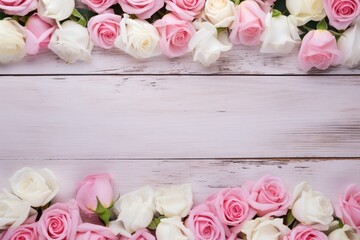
306 10
349 46
71 42
135 211
311 208
344 233
138 38
173 228
12 41
13 211
280 35
56 9
174 200
221 13
37 188
265 228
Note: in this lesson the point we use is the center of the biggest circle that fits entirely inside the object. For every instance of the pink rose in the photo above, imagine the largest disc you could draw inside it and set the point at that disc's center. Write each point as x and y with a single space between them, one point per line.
59 221
38 33
175 35
266 5
88 231
318 49
204 224
99 6
104 29
143 9
16 7
185 9
269 197
341 13
348 208
26 232
230 205
93 187
248 25
305 233
142 234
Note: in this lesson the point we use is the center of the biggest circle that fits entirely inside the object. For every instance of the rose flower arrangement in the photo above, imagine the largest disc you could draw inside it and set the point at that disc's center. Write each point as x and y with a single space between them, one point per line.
259 210
327 31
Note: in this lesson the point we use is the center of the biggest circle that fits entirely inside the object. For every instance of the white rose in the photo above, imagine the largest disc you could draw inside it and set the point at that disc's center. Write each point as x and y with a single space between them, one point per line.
306 10
12 41
56 9
280 35
344 233
71 42
135 211
138 38
174 201
311 208
37 188
206 45
349 46
221 13
173 228
13 211
265 228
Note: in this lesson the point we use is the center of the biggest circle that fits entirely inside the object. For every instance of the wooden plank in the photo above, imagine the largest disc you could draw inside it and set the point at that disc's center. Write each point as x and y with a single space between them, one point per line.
206 176
78 117
240 60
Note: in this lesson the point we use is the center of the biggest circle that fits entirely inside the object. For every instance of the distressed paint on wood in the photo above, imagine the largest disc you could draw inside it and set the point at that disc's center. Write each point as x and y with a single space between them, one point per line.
79 117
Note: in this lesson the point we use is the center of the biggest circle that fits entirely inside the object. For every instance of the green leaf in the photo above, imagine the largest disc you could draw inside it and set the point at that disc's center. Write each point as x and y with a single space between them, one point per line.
78 18
220 29
322 25
237 2
340 224
99 208
289 219
276 13
155 222
2 15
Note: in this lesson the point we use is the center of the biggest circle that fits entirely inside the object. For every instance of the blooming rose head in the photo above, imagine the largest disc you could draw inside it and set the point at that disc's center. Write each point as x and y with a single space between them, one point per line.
311 208
16 7
269 197
348 208
349 46
221 13
99 6
12 41
306 10
87 231
104 29
173 228
56 9
175 35
248 25
59 221
187 10
143 9
23 232
344 233
265 228
341 13
142 234
204 224
319 50
305 233
36 187
93 188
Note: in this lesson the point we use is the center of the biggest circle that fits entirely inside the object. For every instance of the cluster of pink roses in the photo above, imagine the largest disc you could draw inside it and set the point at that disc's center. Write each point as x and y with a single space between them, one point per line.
257 210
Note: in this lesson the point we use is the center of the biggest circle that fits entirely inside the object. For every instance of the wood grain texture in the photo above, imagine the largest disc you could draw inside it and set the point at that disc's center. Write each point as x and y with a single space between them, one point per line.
82 117
206 176
240 60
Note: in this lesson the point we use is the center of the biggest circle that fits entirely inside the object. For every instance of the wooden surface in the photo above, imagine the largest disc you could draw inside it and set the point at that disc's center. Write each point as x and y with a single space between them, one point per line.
166 121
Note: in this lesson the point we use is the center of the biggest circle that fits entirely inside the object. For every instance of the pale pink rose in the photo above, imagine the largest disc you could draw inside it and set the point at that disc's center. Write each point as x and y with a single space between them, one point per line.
187 10
92 188
23 232
341 13
104 29
17 7
59 221
319 50
348 208
248 25
266 5
38 33
305 233
269 197
88 231
175 35
143 9
99 6
142 234
204 224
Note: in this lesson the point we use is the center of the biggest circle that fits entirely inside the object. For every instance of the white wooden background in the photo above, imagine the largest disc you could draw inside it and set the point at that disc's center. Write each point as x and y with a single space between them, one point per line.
163 121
